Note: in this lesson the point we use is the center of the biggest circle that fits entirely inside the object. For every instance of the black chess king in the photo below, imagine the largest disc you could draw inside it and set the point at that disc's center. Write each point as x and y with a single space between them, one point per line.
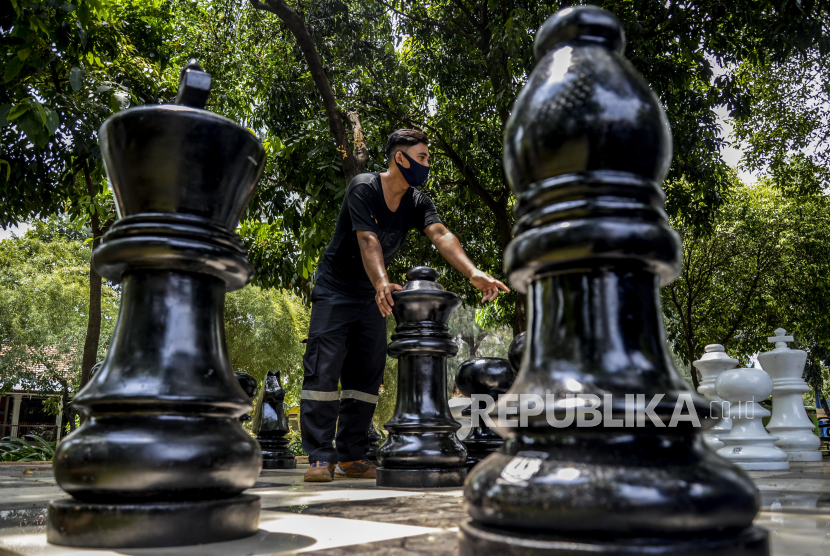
162 459
585 151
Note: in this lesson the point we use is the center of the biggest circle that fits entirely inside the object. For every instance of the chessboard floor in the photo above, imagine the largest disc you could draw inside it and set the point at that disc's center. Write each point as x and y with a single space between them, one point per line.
356 517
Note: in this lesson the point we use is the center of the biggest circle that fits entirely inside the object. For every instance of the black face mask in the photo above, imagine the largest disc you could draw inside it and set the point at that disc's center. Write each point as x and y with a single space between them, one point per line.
416 175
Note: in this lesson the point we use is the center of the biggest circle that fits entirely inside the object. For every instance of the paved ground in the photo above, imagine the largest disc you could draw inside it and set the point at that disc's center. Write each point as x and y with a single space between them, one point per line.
355 517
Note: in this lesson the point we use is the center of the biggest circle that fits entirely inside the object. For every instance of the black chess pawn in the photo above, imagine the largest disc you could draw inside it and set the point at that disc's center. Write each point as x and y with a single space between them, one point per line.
372 437
585 151
422 449
272 428
482 376
249 385
516 351
162 459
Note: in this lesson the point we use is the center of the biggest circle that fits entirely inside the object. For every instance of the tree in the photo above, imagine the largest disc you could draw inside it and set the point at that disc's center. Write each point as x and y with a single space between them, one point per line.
264 329
477 55
70 66
785 131
354 153
454 68
764 265
44 292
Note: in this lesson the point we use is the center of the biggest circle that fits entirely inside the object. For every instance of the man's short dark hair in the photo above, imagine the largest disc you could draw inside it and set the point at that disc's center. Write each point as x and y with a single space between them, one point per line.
405 138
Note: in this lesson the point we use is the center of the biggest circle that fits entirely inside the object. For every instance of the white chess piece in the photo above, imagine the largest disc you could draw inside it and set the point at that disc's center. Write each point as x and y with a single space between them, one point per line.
748 445
789 421
713 362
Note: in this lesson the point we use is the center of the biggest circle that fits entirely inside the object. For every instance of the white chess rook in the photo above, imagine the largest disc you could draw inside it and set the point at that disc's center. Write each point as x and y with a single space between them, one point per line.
748 445
713 362
789 421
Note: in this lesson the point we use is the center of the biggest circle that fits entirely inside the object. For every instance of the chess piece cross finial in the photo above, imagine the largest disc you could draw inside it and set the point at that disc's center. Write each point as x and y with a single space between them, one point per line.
780 339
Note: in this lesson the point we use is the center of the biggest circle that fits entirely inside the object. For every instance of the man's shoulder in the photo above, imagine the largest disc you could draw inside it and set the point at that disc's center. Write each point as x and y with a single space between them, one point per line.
420 197
366 180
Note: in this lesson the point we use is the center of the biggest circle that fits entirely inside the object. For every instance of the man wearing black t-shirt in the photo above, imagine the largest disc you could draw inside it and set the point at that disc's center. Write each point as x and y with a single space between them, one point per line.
353 296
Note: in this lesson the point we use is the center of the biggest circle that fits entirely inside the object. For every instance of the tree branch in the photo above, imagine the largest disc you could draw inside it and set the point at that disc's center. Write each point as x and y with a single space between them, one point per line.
298 28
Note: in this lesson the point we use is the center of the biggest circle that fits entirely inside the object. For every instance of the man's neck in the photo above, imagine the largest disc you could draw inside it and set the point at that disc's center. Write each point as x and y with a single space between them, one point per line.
394 185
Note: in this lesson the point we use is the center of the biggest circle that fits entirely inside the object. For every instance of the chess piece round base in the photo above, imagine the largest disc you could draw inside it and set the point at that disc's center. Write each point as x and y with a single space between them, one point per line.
762 465
803 456
276 455
421 478
151 524
479 449
279 463
478 540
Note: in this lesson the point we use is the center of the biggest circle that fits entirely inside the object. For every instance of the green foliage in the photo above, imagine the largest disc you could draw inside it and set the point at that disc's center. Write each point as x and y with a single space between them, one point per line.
44 296
70 65
765 264
786 128
454 69
264 329
295 443
18 449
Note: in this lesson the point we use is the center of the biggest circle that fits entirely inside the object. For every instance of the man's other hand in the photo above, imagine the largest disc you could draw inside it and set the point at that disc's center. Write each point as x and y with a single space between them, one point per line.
383 297
488 285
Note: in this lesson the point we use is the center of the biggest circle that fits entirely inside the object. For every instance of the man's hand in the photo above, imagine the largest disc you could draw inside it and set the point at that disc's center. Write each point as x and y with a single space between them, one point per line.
487 284
383 298
372 255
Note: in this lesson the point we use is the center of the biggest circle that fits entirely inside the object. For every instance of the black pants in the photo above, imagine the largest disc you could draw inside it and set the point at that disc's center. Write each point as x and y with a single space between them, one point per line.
346 343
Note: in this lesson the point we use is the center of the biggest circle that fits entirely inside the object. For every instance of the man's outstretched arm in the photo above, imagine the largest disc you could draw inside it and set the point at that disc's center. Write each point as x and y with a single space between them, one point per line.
450 248
372 254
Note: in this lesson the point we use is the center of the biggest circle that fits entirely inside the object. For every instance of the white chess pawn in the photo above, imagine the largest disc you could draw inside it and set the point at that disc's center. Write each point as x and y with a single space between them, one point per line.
789 421
748 445
713 362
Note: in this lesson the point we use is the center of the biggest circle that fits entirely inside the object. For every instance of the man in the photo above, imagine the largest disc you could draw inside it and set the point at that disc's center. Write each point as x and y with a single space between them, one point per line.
352 298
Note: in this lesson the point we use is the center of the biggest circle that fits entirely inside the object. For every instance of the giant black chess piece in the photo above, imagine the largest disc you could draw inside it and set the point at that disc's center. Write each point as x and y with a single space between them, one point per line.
488 376
422 449
271 427
372 437
163 459
250 387
585 151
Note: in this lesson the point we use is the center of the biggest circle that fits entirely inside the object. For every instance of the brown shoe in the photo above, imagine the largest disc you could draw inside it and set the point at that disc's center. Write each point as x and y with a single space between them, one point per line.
320 472
360 469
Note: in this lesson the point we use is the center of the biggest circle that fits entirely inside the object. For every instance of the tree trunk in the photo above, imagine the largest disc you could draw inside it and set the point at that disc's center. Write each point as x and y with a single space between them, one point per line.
354 159
93 328
68 413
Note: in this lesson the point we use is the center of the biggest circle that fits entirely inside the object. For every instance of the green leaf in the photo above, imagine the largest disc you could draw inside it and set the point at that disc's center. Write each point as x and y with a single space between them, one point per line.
12 69
23 54
4 113
41 112
53 121
30 124
8 168
67 7
18 111
76 78
102 89
114 104
37 22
